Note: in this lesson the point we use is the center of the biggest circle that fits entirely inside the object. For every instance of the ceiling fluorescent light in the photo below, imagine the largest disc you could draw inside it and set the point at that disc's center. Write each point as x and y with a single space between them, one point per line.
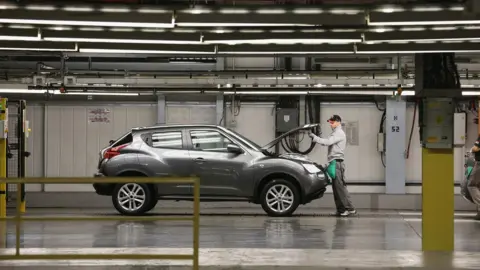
22 91
470 93
192 24
38 49
266 93
40 7
420 40
99 93
88 23
131 41
424 23
413 52
21 38
78 9
287 52
372 93
283 41
88 50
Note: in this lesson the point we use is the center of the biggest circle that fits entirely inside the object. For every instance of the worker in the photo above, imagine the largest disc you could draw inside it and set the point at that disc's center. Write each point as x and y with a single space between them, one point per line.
474 181
336 144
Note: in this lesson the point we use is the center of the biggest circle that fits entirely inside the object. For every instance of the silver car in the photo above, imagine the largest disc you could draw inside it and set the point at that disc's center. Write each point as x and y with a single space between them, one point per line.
230 166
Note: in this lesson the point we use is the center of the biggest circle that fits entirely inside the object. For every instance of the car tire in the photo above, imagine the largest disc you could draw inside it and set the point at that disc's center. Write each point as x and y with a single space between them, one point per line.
272 200
132 199
152 205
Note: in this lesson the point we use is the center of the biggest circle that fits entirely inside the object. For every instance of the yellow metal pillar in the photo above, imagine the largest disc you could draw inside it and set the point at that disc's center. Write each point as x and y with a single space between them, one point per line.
437 200
3 172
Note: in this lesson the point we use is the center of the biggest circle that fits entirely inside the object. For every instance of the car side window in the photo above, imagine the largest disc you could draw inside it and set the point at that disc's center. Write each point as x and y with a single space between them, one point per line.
209 140
166 139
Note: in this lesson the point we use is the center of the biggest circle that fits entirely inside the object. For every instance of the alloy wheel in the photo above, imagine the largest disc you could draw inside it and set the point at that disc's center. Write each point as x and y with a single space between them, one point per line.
131 197
279 198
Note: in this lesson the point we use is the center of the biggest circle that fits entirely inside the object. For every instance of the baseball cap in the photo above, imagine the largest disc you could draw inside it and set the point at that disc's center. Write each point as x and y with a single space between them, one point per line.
335 118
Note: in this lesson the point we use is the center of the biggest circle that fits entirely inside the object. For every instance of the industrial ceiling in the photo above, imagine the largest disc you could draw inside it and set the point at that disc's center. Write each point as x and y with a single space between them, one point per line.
180 44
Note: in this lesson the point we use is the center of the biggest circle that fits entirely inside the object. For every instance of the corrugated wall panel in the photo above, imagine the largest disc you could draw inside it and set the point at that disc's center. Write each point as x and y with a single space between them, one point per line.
254 121
73 142
190 113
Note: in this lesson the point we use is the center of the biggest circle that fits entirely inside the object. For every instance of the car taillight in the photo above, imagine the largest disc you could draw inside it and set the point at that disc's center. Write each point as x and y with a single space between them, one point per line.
114 151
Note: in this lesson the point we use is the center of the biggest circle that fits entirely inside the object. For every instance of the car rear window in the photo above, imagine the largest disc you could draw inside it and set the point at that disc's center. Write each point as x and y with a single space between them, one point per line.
164 139
127 138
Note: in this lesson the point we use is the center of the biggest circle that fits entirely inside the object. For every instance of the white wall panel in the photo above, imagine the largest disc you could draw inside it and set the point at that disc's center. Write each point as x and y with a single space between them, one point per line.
73 142
254 121
190 113
250 63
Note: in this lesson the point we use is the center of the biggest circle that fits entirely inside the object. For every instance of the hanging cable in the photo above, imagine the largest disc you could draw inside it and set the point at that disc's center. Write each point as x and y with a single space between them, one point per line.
290 143
407 152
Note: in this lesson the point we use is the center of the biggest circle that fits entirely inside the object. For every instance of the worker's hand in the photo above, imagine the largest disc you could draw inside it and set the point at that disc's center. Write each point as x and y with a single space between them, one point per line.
311 135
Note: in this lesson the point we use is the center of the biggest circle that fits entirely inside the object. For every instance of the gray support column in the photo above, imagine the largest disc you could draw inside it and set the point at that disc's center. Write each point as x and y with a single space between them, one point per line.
220 105
161 109
395 174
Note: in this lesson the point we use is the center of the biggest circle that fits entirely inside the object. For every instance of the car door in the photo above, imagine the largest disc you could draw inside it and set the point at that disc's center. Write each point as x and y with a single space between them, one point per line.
219 170
168 156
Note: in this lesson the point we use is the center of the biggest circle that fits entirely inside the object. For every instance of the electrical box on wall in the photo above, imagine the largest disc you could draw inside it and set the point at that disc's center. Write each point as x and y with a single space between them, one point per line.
459 128
287 119
437 123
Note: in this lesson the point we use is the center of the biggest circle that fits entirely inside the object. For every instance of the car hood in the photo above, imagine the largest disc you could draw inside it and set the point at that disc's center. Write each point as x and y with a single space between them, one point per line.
279 138
297 157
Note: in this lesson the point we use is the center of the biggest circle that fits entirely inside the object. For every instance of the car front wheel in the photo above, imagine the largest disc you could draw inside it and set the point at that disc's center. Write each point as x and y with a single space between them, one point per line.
280 198
132 198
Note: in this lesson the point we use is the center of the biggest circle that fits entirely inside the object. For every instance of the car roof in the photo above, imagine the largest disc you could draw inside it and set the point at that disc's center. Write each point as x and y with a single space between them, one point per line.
174 126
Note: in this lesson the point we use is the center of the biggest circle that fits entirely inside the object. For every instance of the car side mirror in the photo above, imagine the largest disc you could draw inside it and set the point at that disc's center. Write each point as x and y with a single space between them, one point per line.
232 148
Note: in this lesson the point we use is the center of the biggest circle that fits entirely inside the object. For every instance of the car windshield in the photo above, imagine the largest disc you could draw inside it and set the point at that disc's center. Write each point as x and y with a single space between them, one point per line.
243 138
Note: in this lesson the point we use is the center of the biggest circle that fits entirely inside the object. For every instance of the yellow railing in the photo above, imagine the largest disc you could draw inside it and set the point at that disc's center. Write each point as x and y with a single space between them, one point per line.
19 218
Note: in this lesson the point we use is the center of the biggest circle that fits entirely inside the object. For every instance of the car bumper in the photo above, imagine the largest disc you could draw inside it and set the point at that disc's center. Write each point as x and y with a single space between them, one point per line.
316 188
105 189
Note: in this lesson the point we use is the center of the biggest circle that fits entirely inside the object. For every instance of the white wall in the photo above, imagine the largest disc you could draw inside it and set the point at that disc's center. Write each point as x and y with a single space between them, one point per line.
254 121
72 143
190 113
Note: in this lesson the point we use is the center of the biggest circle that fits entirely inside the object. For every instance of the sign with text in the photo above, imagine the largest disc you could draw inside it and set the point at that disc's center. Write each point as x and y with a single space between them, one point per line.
100 115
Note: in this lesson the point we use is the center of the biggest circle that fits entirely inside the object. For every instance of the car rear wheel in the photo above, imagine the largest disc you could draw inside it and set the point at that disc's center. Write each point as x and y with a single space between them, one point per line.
280 198
132 198
152 205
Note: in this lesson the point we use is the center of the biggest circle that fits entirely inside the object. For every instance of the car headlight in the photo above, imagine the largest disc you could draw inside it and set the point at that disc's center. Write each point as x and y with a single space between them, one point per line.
311 168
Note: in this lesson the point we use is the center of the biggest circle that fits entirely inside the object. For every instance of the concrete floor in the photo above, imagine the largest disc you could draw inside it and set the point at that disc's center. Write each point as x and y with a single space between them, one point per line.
380 240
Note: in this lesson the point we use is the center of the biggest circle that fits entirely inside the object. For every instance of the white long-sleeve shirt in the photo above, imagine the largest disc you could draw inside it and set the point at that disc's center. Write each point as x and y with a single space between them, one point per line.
336 143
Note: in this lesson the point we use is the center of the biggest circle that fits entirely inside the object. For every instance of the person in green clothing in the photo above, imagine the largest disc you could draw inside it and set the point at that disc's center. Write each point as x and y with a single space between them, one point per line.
336 144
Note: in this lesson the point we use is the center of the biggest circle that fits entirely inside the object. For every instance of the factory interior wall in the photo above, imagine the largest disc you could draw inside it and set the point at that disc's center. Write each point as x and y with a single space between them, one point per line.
69 145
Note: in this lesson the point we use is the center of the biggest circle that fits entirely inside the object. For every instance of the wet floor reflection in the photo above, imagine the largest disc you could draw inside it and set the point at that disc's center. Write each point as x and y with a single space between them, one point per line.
242 232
